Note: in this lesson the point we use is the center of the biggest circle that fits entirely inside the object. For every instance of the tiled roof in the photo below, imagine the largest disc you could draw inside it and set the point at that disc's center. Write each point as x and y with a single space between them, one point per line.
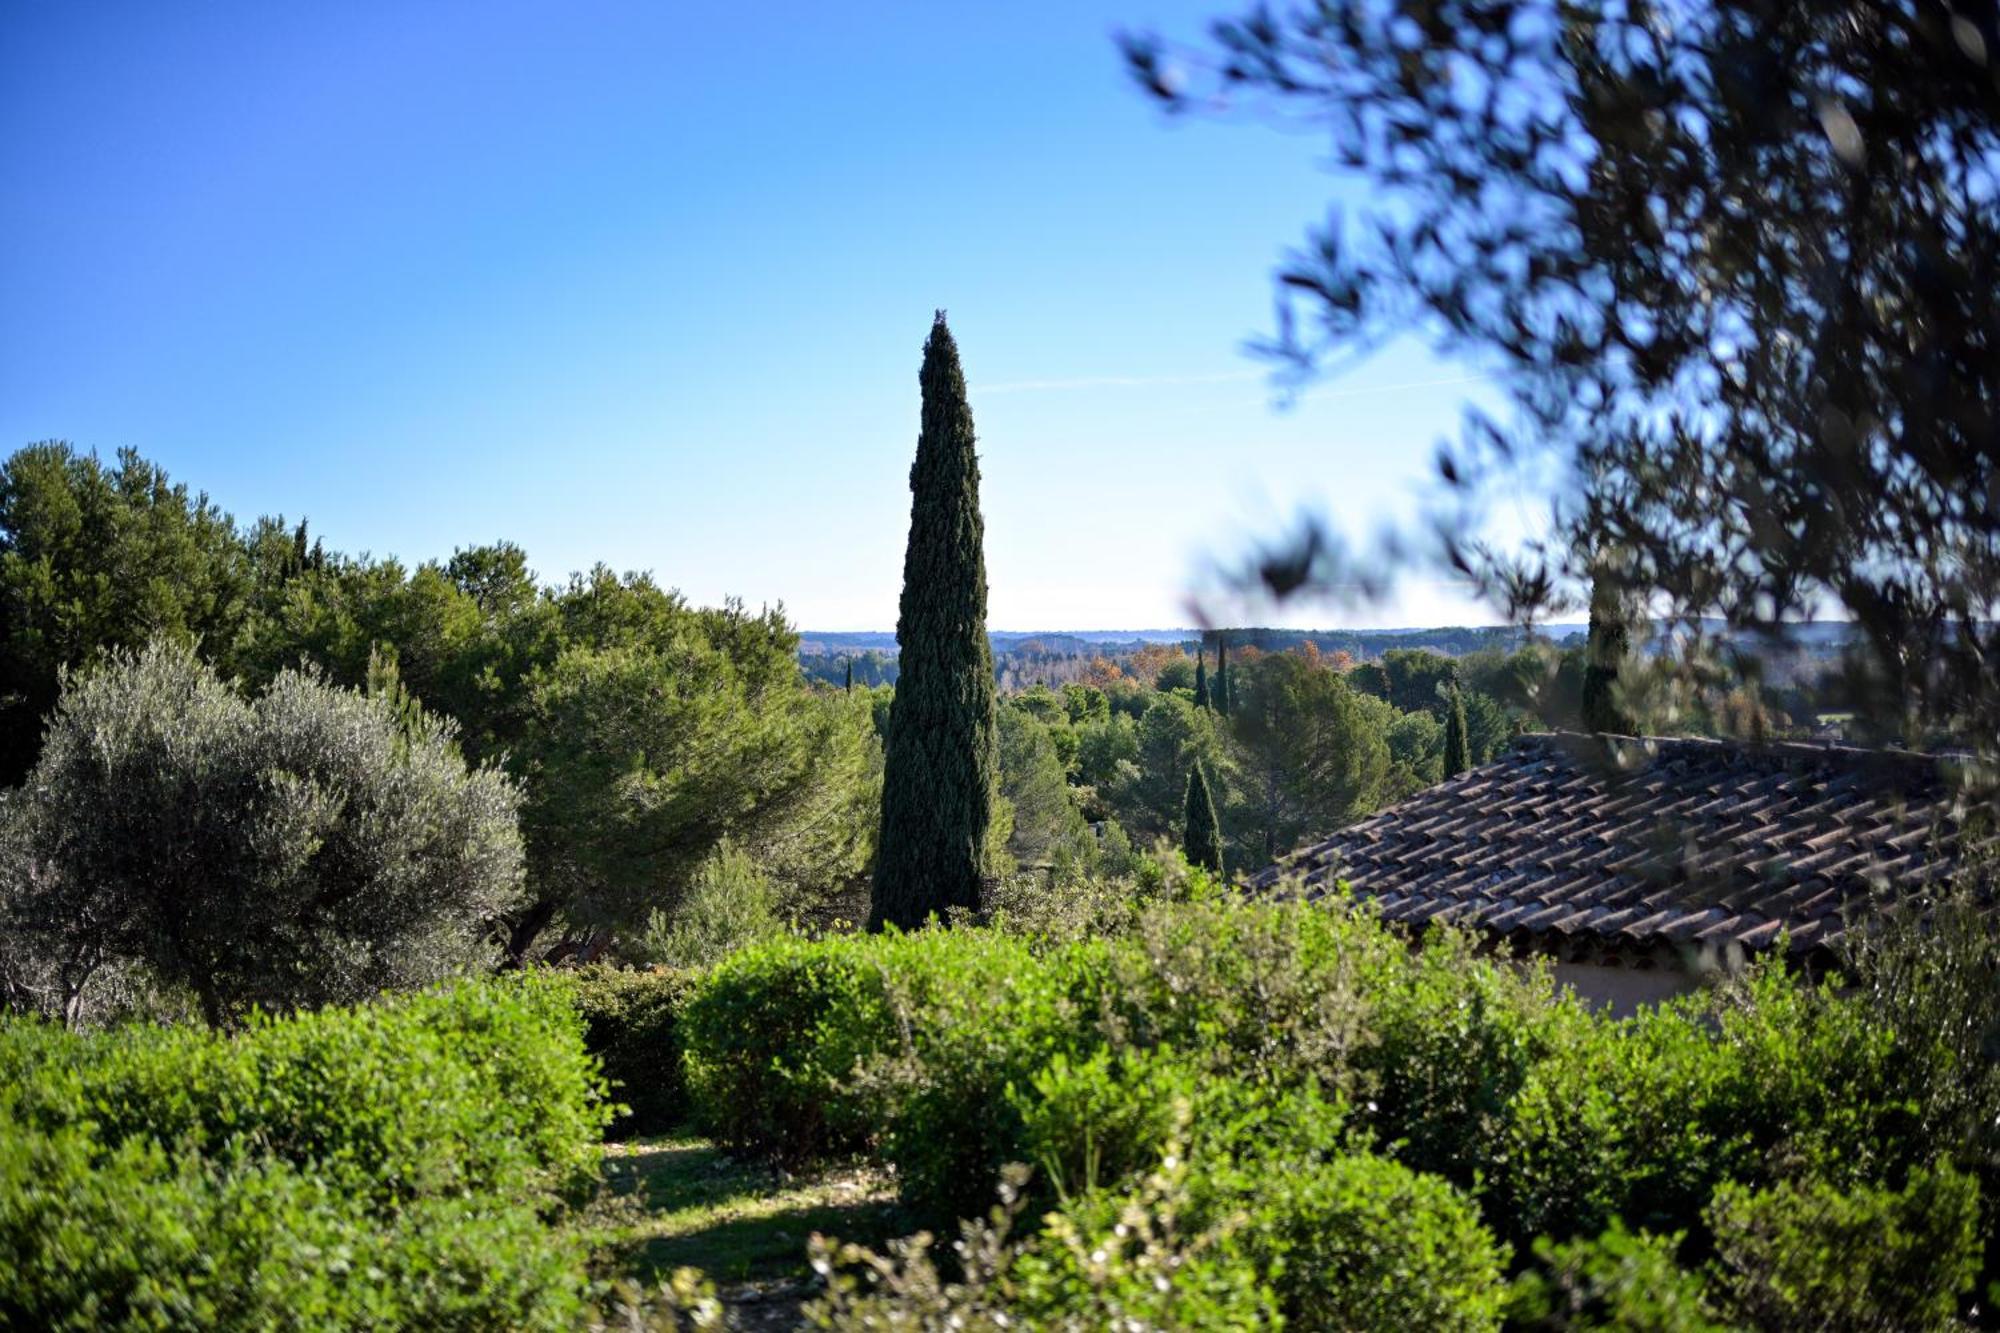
1595 846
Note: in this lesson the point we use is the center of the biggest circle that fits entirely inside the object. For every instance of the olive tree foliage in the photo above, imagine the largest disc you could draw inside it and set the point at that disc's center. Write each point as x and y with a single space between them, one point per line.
311 845
1733 262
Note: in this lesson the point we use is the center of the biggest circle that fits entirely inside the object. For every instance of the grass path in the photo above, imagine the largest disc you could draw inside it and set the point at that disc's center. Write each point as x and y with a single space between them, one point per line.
743 1224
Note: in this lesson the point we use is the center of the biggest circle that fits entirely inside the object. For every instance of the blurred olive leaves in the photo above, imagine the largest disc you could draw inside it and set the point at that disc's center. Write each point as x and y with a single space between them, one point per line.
1733 263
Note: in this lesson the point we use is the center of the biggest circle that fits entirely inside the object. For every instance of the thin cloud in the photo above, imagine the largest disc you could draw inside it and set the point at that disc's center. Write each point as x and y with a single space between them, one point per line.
1223 377
1361 389
1115 382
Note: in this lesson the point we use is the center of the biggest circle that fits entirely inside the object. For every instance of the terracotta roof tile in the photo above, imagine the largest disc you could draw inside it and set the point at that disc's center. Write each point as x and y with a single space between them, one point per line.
1647 841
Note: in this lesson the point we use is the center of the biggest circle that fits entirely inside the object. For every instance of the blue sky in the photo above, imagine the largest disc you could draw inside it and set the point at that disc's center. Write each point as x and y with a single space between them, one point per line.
647 283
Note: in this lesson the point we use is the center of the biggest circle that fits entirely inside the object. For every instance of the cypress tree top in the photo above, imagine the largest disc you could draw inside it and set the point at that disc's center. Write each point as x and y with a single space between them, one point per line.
1200 681
1201 836
938 783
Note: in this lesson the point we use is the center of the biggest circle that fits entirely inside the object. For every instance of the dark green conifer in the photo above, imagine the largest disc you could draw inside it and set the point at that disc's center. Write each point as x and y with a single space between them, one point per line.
1201 836
1201 695
1218 693
938 785
849 687
1457 756
1604 653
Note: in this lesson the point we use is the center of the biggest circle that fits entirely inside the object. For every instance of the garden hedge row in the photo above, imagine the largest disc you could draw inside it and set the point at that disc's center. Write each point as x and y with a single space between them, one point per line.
1353 1098
416 1162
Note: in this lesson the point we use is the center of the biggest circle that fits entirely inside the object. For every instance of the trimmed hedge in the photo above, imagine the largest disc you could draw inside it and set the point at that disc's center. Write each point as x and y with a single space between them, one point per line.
410 1163
631 1023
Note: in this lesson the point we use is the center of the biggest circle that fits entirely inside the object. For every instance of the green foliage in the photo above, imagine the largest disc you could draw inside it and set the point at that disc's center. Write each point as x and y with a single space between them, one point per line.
1457 740
661 731
1362 1118
1412 679
938 787
95 559
1148 793
631 1024
1091 1123
1454 1040
1314 755
1222 692
1644 1119
1416 748
1619 1280
1359 1241
729 904
772 1035
140 1237
1048 828
1124 1260
1202 697
395 1165
1809 1255
1180 673
1201 837
312 845
1606 653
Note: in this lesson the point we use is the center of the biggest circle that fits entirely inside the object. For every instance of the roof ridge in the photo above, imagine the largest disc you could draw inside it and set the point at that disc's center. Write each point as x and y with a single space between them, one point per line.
1818 752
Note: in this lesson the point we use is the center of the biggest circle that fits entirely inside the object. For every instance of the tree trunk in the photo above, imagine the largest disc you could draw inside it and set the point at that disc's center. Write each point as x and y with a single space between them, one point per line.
521 937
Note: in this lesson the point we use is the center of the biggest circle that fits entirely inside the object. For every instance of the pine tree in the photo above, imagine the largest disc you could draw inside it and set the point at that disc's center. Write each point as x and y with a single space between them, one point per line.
1201 695
941 766
849 687
1201 837
1218 693
1457 748
1605 651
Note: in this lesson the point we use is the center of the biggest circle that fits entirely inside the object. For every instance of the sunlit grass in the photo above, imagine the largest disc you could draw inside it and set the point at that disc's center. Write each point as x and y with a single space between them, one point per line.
739 1221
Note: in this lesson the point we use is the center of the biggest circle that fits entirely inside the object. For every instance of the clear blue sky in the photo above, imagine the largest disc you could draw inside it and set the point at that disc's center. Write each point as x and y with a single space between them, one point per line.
647 283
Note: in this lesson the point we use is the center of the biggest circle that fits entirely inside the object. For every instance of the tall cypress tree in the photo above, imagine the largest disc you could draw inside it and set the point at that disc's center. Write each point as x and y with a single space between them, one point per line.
849 687
1201 835
1605 651
1201 696
938 785
1457 746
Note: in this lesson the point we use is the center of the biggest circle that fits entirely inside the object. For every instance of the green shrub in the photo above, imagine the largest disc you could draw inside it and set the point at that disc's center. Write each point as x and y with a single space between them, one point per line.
1455 1038
415 1163
1359 1241
1642 1119
466 1088
1095 1123
1809 1255
1620 1280
1112 1259
1278 991
729 903
979 1014
631 1023
905 1044
774 1033
144 1237
1092 1123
